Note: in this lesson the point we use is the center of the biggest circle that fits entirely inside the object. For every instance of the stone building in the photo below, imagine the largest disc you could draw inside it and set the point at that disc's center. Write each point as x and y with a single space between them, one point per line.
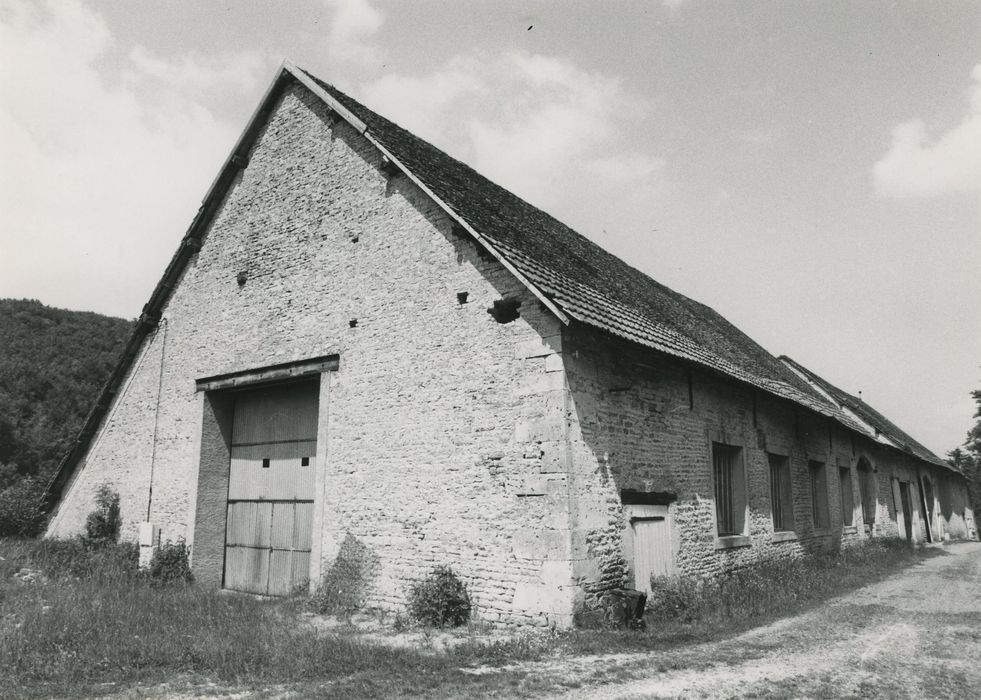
362 348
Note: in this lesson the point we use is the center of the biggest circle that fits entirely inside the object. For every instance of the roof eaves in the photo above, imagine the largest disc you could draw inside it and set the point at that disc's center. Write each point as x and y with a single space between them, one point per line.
881 429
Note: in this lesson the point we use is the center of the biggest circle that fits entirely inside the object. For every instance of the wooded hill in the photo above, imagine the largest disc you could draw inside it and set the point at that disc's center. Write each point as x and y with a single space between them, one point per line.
53 362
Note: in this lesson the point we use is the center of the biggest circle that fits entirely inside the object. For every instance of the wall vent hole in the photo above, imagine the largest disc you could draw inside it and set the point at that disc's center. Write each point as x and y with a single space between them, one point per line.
265 463
304 461
504 310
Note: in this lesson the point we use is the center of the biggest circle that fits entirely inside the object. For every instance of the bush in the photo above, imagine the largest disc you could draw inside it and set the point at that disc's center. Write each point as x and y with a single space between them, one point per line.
344 586
440 599
675 598
170 563
102 524
19 512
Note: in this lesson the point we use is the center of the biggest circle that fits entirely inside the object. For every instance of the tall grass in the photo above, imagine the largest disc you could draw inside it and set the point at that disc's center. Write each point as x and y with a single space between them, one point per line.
94 619
775 587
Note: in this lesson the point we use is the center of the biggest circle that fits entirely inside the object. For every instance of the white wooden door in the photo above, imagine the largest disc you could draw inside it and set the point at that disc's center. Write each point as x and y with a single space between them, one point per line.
652 550
270 489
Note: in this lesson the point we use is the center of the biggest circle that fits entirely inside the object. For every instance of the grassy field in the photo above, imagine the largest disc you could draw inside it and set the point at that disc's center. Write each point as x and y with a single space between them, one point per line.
87 624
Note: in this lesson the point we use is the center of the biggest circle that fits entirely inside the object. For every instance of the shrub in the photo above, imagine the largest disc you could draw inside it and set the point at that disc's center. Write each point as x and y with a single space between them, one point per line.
170 563
103 523
344 586
440 599
19 512
675 598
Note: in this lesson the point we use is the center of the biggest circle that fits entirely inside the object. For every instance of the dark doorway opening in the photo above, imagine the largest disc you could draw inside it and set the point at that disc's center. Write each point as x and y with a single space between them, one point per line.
907 506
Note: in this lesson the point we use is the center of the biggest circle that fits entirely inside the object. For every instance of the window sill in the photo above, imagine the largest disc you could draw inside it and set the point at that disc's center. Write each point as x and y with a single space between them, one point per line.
784 536
849 529
732 541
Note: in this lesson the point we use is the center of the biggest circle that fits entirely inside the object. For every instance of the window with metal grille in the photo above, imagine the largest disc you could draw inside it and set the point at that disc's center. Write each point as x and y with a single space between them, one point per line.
781 494
819 495
730 489
847 496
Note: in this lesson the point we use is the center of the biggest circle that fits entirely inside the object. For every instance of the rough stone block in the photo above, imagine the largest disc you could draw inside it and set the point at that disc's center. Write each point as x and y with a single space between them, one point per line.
541 544
538 597
538 347
553 363
549 429
556 573
553 457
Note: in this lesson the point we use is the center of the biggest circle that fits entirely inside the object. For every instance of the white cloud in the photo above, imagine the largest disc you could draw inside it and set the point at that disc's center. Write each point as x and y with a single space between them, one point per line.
541 126
99 164
196 74
352 24
915 167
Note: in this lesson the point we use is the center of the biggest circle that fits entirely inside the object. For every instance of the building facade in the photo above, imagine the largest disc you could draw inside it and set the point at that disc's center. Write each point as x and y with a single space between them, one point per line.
363 348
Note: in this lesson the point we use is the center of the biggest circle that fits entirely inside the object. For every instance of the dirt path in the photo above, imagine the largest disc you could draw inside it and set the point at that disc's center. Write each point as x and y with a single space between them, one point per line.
917 634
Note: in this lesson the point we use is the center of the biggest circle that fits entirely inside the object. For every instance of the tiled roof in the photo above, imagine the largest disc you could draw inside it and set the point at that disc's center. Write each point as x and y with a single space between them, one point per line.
586 282
870 416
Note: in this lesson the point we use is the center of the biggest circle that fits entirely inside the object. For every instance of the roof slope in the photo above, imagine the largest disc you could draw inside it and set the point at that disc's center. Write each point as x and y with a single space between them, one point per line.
870 416
588 283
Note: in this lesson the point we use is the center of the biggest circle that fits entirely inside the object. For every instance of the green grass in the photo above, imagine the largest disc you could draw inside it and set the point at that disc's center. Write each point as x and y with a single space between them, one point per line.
95 621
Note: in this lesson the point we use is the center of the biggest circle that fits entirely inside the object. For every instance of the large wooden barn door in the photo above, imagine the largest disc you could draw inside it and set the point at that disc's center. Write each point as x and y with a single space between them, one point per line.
270 489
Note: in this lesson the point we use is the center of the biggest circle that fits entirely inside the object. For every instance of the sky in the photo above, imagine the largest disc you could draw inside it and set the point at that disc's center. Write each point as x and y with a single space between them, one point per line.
811 170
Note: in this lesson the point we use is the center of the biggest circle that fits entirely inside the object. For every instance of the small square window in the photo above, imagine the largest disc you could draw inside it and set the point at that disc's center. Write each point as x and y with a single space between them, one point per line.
265 463
304 461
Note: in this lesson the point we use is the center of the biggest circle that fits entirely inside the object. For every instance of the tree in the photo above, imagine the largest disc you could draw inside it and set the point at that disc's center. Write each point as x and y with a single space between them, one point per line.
967 459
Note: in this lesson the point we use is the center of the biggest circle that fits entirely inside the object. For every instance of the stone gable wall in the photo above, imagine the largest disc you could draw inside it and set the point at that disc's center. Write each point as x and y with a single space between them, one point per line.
443 427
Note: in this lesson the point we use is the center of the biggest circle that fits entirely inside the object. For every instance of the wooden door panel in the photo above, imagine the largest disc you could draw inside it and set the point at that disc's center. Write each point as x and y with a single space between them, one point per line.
652 550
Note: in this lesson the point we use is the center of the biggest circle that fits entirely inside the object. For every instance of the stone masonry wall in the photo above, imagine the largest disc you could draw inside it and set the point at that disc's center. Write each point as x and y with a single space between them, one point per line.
442 423
643 422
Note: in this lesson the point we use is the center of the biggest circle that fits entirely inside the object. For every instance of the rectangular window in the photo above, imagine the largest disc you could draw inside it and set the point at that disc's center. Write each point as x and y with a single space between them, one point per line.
819 495
730 489
781 494
847 498
866 487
